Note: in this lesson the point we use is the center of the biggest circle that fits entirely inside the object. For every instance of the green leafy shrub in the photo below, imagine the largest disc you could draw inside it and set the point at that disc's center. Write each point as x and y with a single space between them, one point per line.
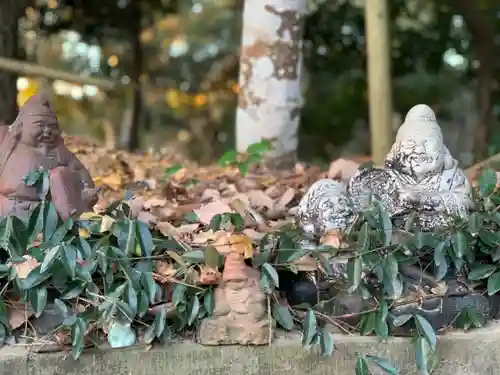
99 272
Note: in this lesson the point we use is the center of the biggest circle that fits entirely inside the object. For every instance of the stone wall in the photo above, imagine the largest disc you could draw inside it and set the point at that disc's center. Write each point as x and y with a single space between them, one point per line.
472 353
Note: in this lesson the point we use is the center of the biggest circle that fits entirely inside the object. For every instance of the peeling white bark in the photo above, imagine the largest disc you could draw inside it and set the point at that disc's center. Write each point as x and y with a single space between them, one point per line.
270 96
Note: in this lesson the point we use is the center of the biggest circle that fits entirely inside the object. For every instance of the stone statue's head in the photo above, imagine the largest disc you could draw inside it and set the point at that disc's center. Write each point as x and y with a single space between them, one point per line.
419 149
36 124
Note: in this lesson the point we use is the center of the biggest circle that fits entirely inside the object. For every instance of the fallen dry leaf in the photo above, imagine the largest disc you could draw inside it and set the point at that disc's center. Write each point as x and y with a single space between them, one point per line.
238 243
259 199
306 264
23 269
208 211
18 313
286 198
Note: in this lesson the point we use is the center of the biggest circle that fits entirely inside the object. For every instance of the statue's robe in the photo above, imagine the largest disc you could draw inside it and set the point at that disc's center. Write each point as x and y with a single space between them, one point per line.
68 177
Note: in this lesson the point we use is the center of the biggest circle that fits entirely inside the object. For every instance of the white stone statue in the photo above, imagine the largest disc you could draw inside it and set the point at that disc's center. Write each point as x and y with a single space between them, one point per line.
419 175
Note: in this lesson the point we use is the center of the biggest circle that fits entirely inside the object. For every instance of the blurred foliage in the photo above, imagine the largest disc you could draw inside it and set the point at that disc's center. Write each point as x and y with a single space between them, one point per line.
189 72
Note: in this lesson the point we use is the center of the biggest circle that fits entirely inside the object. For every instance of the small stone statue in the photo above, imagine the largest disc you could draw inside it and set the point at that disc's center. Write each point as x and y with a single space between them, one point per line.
33 142
240 315
420 175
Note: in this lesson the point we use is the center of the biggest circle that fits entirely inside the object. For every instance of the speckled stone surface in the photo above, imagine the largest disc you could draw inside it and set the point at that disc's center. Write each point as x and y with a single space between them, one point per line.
472 353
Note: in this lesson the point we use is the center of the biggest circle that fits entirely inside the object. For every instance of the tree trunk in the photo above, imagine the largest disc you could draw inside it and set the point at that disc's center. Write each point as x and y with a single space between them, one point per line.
379 77
130 139
483 37
9 15
270 97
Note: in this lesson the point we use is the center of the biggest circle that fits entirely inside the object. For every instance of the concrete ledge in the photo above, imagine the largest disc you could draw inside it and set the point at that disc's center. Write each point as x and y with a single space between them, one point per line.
472 353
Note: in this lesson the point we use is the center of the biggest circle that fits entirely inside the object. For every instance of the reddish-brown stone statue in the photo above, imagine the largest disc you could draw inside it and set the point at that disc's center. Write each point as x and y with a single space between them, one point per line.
33 142
240 314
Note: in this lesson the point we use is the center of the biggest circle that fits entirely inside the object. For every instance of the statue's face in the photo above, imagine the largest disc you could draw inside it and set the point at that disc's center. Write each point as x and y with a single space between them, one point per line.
419 157
40 132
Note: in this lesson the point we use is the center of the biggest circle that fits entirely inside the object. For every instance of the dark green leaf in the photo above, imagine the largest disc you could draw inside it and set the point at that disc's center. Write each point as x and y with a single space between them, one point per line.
72 291
384 364
364 238
208 301
215 222
491 239
237 221
194 309
271 274
487 182
326 343
213 258
68 259
191 217
149 285
145 238
401 320
440 260
61 232
83 247
160 322
261 257
35 223
361 366
282 315
426 330
459 241
38 300
32 178
121 335
354 273
494 283
382 328
77 337
179 295
143 304
50 258
102 260
132 300
4 270
481 271
387 226
309 328
195 256
34 278
51 221
4 315
368 323
475 223
61 306
424 355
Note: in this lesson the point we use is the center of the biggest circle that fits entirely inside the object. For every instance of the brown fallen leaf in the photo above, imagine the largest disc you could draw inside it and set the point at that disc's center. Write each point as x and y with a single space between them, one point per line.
259 199
286 198
306 264
238 243
208 211
18 313
23 269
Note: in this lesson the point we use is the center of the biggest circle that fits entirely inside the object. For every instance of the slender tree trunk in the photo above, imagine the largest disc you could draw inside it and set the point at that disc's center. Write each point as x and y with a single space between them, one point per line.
379 77
9 15
270 97
483 36
131 139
